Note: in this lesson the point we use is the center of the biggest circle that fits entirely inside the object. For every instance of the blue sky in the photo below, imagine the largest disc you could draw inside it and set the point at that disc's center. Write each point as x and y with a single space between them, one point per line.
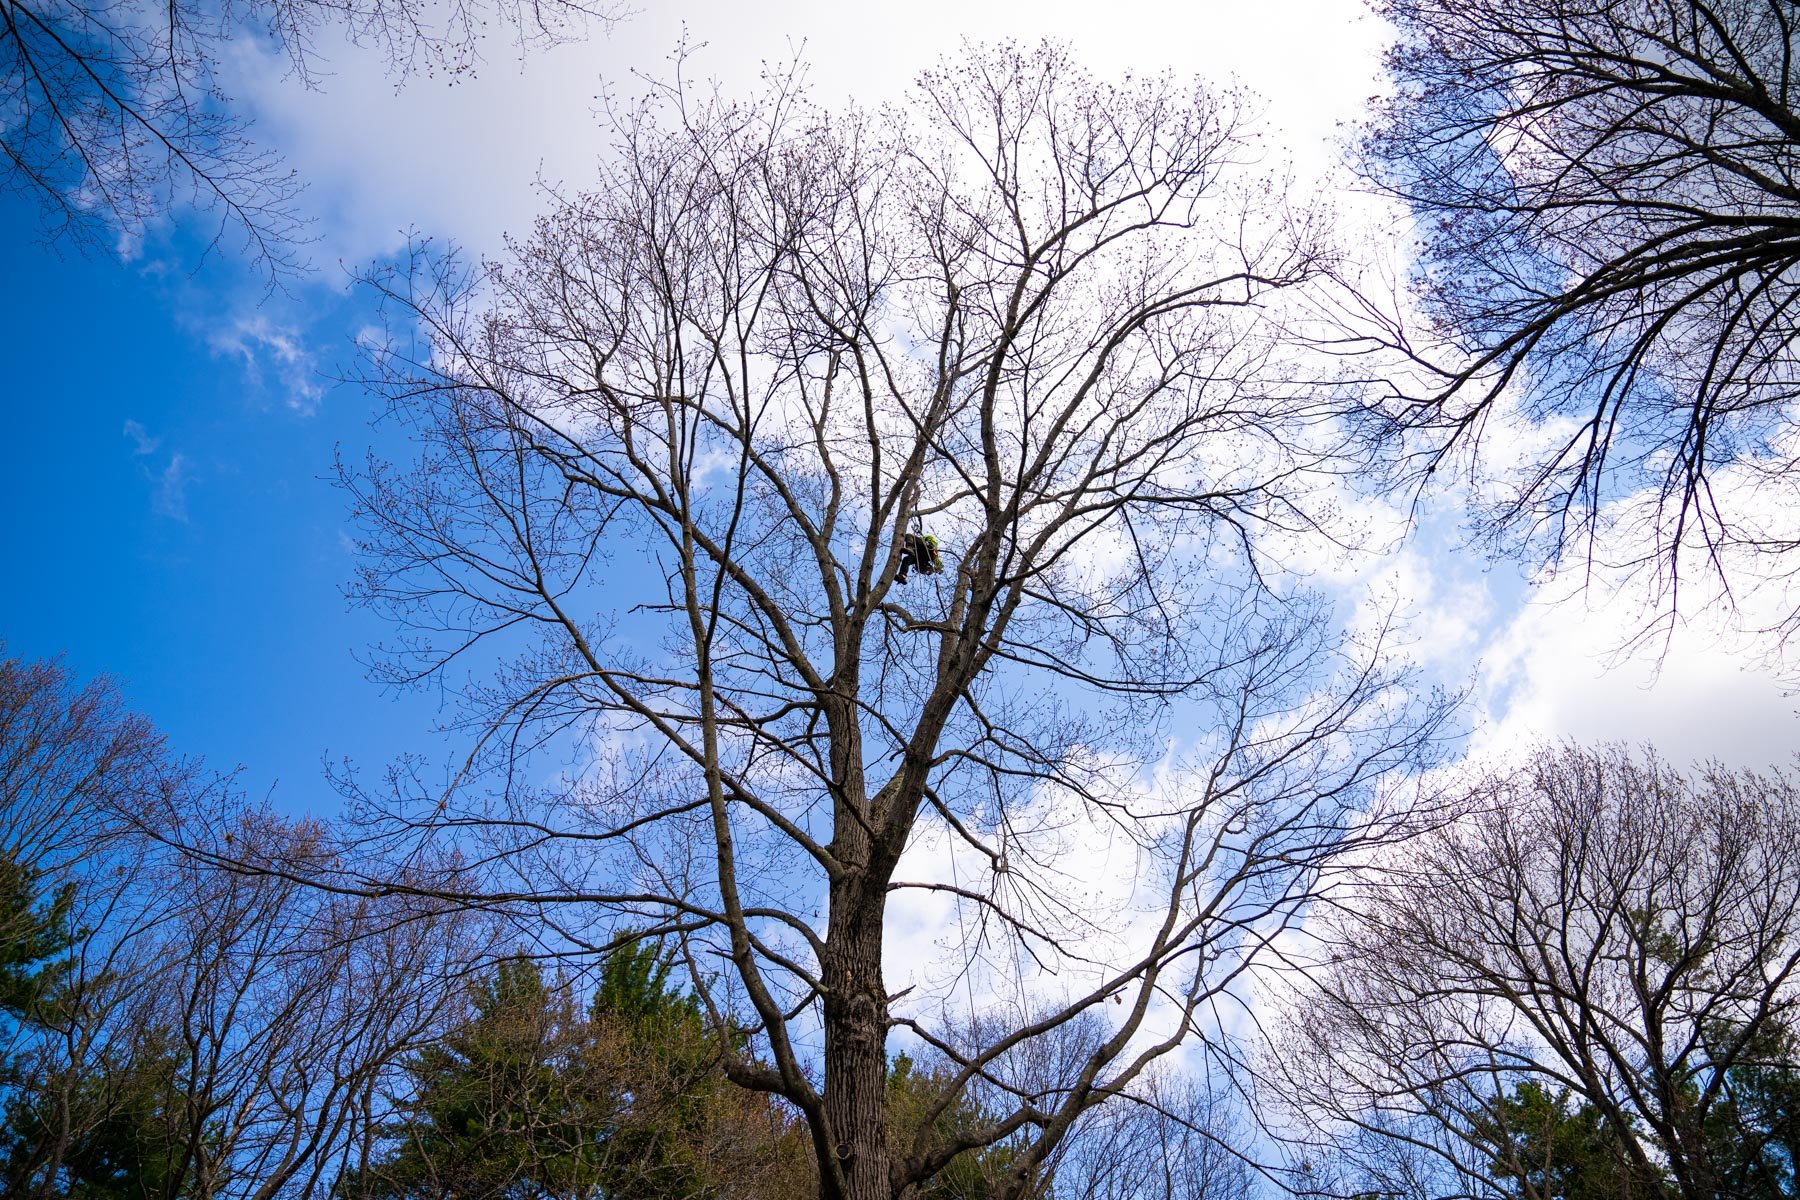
171 523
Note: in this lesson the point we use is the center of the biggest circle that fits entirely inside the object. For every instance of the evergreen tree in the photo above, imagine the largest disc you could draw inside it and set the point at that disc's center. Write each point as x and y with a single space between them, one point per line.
531 1098
115 1131
1754 1134
33 934
1555 1150
973 1175
653 1040
493 1112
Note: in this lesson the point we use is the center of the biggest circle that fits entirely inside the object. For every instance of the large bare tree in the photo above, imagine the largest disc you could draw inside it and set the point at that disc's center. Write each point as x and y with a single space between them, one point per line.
673 450
1618 939
1604 193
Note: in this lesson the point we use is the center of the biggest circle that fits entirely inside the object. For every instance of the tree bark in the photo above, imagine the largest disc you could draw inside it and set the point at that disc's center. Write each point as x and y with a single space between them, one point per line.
856 1037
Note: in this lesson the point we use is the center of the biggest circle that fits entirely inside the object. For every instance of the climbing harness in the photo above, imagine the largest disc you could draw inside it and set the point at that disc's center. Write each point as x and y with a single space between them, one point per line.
918 551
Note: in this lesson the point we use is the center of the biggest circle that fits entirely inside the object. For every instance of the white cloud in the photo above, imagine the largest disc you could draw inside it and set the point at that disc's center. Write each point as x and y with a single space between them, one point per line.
168 486
258 342
142 442
1569 663
169 499
460 158
1701 701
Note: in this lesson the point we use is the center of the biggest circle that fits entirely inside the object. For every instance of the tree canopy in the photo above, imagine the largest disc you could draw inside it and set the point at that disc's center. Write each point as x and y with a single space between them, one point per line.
115 117
669 453
1586 984
1604 194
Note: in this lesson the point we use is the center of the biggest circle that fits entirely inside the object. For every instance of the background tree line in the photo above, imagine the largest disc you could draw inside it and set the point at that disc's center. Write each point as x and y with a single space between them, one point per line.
1580 984
177 1028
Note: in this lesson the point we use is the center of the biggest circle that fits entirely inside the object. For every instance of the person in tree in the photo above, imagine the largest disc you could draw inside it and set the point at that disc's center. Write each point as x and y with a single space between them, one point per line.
918 552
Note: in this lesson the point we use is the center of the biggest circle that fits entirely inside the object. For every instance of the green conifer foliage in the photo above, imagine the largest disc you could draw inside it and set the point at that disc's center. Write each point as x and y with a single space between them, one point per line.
1555 1149
33 933
973 1175
126 1135
530 1097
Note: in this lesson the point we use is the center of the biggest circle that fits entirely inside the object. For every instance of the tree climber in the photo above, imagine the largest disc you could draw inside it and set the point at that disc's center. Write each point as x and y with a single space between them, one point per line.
918 551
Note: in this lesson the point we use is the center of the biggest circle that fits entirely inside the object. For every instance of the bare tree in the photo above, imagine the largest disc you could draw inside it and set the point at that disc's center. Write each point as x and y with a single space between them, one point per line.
207 1032
1174 1139
113 111
1605 194
68 753
290 1008
1601 939
231 1030
674 452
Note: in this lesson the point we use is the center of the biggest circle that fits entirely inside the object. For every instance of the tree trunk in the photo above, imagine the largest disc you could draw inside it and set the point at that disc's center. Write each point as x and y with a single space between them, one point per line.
856 1039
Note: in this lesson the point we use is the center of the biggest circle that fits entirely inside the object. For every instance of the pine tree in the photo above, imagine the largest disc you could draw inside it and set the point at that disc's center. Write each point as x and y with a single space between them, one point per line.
1754 1134
529 1098
114 1131
490 1113
973 1175
33 934
1553 1149
108 1131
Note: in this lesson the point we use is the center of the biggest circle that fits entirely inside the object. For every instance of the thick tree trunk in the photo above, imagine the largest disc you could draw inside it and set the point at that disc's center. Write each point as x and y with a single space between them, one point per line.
856 1040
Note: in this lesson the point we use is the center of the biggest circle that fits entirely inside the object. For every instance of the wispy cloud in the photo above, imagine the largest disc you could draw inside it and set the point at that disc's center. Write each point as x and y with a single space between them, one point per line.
170 497
142 442
262 345
168 487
